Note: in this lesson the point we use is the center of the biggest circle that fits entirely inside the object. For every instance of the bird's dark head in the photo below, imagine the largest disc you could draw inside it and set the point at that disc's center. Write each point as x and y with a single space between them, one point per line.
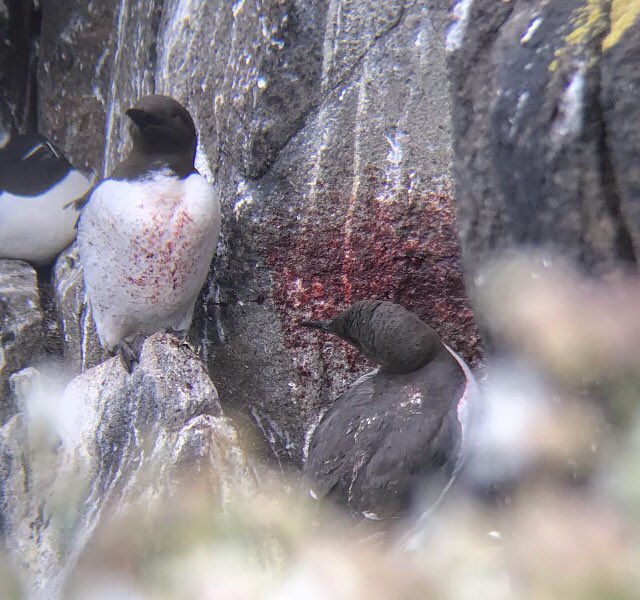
162 126
386 333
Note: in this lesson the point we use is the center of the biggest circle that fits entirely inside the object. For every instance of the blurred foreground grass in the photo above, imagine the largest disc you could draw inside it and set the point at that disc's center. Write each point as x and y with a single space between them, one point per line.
561 433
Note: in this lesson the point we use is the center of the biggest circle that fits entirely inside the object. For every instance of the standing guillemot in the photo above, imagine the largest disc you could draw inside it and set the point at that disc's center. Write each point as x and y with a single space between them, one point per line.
397 432
36 183
148 233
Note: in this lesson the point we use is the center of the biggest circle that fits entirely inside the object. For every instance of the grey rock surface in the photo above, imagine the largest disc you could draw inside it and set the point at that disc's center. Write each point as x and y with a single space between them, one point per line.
544 132
18 65
261 81
74 77
110 438
132 74
326 128
620 84
80 346
22 329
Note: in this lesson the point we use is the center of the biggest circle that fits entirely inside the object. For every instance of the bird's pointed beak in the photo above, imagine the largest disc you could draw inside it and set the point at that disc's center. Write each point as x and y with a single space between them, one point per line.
321 325
140 117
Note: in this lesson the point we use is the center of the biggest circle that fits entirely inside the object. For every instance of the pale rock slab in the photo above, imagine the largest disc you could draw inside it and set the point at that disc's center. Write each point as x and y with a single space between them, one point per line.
22 332
68 460
80 345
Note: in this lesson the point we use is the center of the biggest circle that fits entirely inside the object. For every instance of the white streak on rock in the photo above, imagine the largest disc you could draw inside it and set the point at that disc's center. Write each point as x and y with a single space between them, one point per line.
360 119
87 322
324 124
531 30
515 120
371 516
326 130
237 8
219 328
97 89
330 40
113 105
394 166
456 32
178 23
202 164
268 435
570 109
357 465
308 434
80 343
182 12
244 199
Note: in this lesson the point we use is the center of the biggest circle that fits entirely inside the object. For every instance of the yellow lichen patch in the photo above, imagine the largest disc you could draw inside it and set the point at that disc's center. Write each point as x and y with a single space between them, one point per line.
586 22
623 15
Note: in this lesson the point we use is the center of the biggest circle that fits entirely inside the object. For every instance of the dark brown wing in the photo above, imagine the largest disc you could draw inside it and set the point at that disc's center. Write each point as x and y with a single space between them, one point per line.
383 440
332 449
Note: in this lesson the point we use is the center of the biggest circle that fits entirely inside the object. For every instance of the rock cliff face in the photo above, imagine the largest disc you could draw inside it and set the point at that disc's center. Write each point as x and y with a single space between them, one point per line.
544 131
326 128
80 345
19 23
74 455
21 325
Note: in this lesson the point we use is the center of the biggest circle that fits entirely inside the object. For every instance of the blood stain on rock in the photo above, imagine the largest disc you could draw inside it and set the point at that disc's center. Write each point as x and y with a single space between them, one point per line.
401 247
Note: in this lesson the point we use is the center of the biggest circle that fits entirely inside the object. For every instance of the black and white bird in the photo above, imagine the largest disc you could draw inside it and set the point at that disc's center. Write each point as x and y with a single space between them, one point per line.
36 183
397 435
148 233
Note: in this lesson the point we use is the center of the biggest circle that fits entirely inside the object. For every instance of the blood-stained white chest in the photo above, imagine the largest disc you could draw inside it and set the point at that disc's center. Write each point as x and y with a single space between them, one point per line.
146 246
152 229
160 235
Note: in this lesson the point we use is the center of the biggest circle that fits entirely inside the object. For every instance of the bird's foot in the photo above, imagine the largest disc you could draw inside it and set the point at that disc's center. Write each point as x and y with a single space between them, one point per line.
129 352
183 337
195 348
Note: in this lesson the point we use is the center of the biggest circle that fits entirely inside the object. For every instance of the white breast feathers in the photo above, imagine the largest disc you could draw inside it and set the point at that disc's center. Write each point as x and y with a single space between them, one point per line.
146 247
